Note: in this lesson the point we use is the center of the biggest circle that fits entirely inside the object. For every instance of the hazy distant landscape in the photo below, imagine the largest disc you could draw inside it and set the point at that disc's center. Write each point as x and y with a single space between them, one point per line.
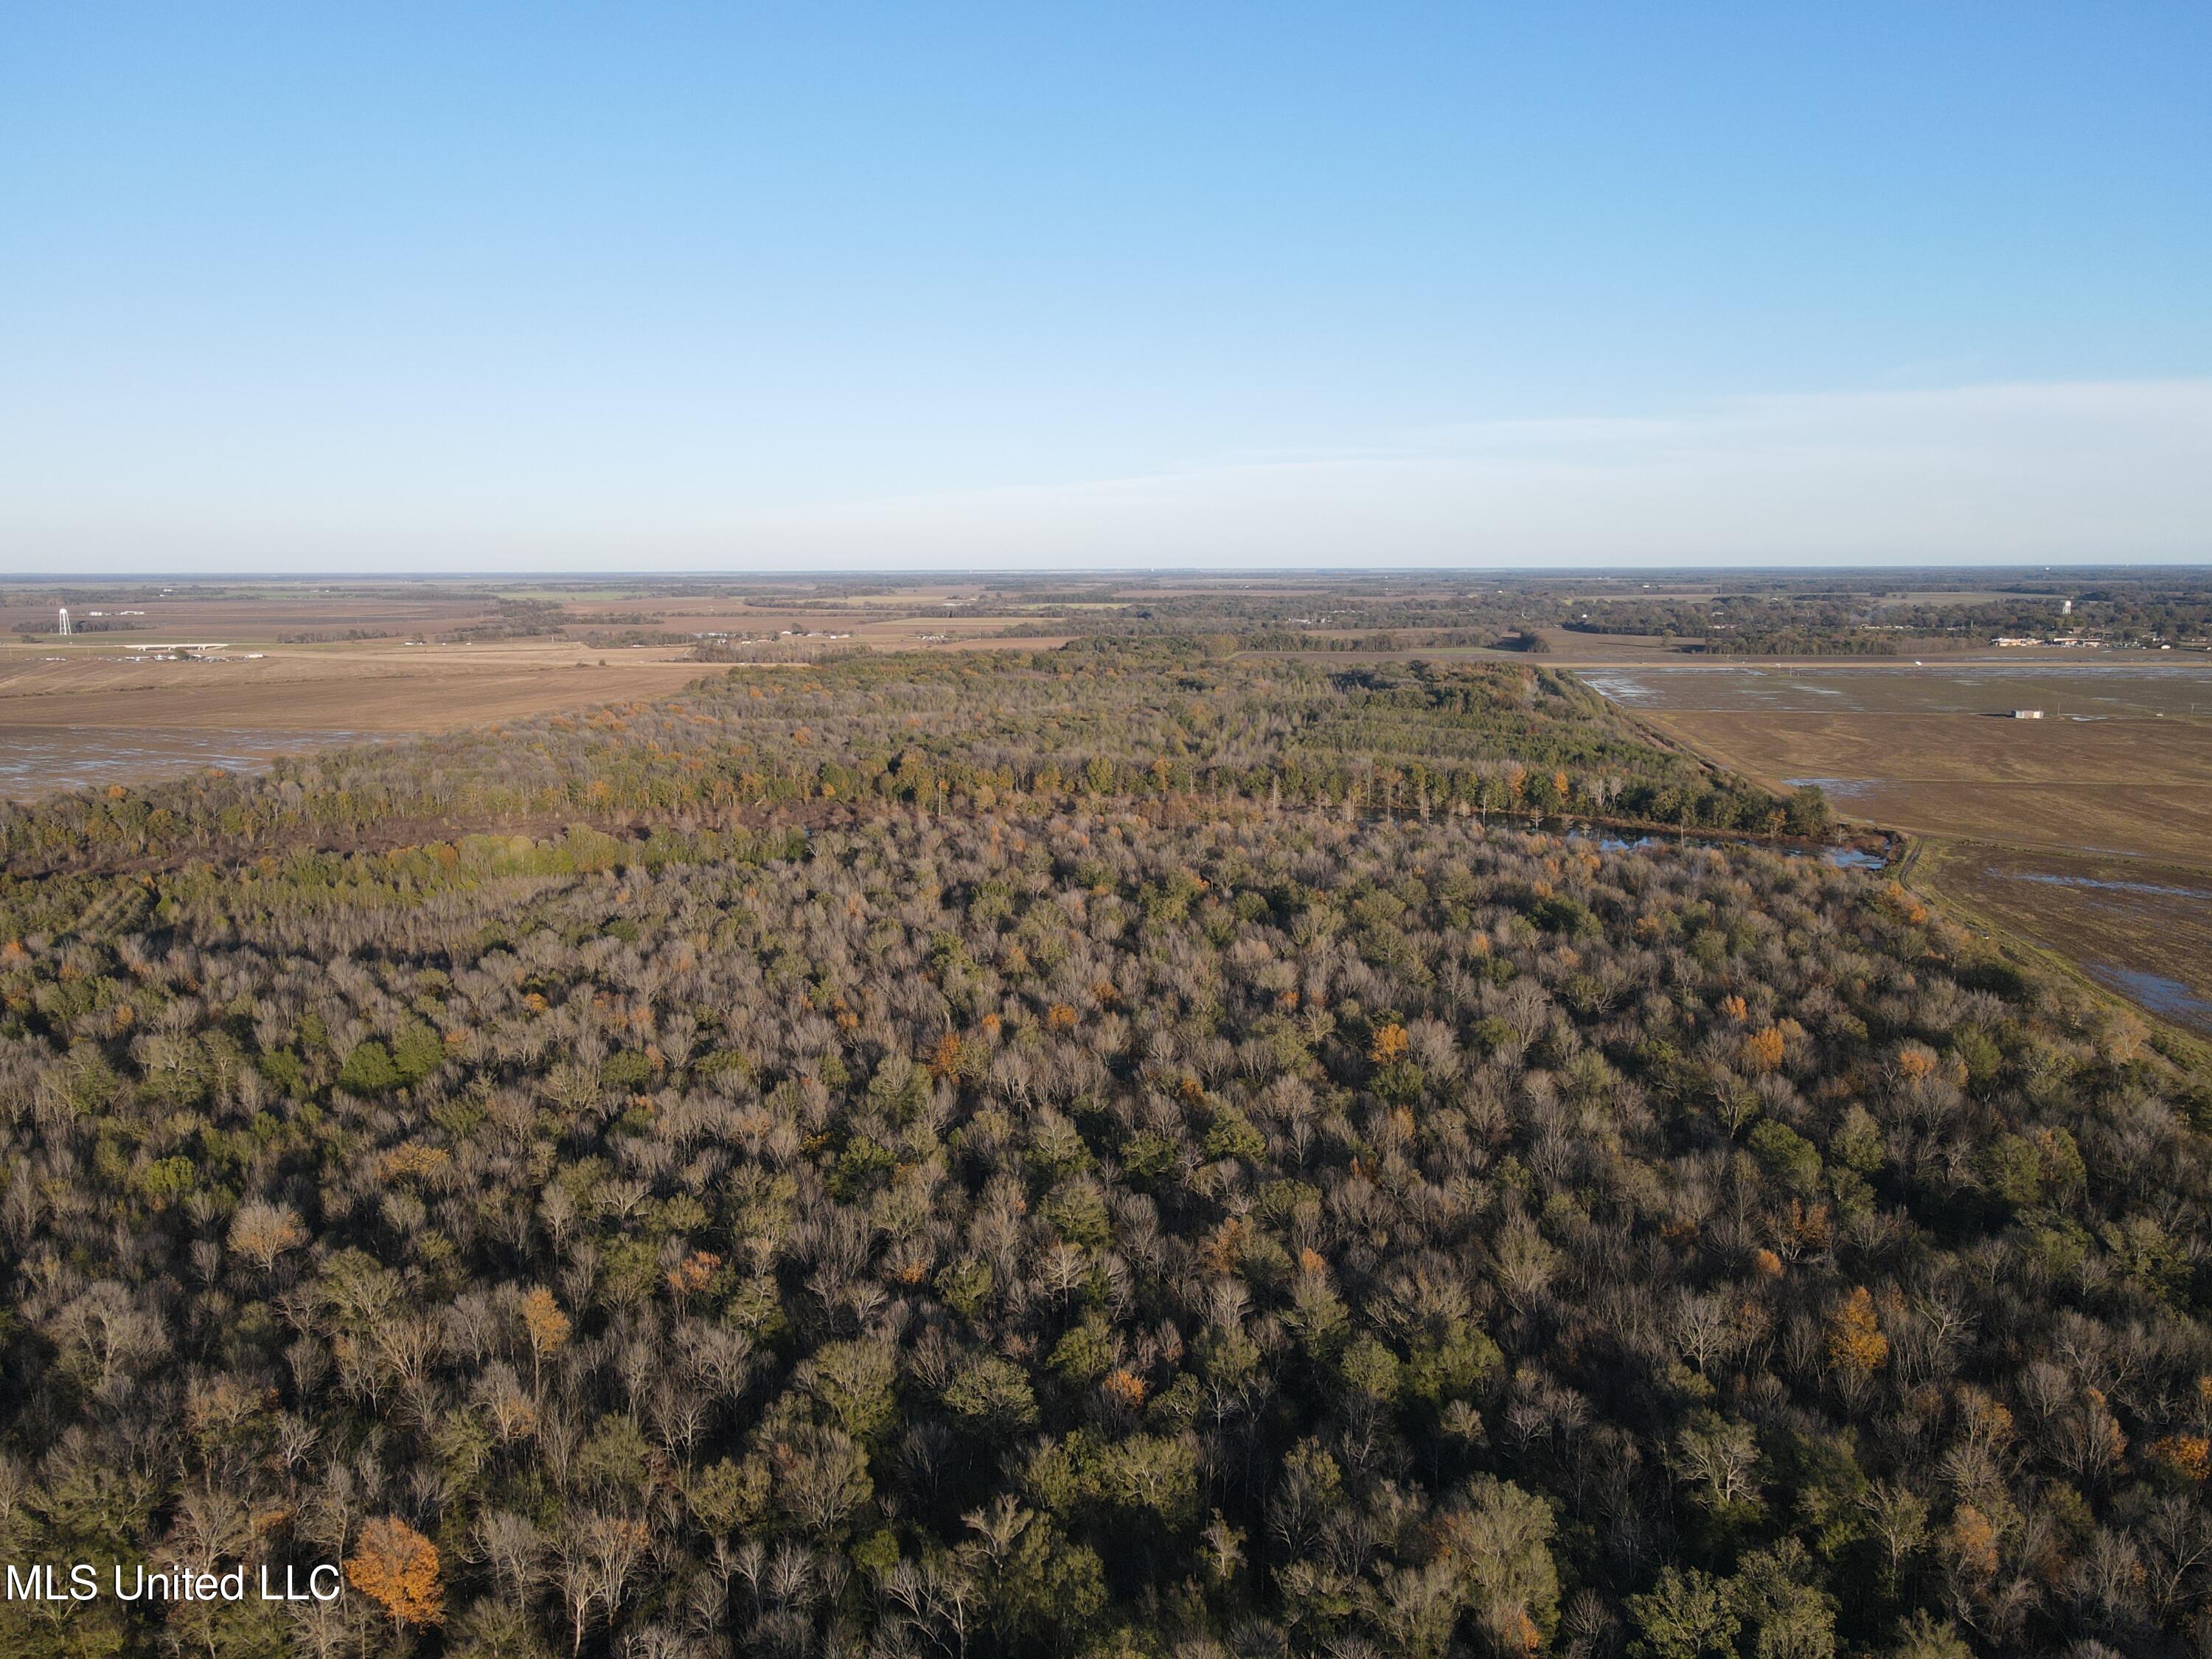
1893 698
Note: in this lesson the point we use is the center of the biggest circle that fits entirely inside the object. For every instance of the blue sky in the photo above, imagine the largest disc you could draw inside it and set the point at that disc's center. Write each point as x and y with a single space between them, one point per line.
396 287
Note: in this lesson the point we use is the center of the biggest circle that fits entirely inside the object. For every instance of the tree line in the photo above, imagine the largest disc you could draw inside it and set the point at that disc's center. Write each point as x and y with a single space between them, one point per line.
1101 719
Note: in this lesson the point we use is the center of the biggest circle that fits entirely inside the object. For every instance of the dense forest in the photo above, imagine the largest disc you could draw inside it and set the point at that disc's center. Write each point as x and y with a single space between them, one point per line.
1101 719
1117 1151
1765 625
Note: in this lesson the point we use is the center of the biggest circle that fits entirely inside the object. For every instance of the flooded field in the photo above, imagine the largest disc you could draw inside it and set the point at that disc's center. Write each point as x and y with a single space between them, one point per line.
2158 993
2143 930
2140 686
2087 830
2120 760
36 760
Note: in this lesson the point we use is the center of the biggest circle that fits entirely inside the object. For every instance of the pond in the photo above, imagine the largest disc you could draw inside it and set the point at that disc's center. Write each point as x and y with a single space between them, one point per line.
1843 858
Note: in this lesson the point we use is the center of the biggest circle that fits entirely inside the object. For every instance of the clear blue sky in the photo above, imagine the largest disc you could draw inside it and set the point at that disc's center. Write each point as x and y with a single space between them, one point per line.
393 286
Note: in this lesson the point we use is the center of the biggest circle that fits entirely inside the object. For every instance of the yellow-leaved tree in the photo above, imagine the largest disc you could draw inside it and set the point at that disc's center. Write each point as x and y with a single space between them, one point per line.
1856 1344
546 1326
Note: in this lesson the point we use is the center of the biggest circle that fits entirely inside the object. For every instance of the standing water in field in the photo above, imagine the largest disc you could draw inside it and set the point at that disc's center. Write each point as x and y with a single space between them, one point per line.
1843 858
36 760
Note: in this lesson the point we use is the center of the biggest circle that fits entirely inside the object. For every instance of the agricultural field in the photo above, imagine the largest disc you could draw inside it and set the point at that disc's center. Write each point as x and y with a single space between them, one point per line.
2121 760
293 666
2089 831
2134 925
89 715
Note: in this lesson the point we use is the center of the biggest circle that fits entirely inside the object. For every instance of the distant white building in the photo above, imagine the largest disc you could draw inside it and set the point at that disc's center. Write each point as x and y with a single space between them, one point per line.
2027 714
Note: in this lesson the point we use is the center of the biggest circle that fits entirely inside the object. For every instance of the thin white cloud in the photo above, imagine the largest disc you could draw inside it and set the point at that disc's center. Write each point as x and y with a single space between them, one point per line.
2041 473
2106 472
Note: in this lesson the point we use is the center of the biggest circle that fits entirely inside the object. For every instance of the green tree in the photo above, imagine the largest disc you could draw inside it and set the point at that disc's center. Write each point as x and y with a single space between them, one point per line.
1687 1614
368 1070
1499 1537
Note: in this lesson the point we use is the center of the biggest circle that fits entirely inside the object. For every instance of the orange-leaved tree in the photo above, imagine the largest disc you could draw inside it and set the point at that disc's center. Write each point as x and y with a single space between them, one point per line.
396 1567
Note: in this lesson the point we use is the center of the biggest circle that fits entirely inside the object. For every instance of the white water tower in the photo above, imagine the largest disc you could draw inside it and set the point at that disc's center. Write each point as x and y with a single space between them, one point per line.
65 627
